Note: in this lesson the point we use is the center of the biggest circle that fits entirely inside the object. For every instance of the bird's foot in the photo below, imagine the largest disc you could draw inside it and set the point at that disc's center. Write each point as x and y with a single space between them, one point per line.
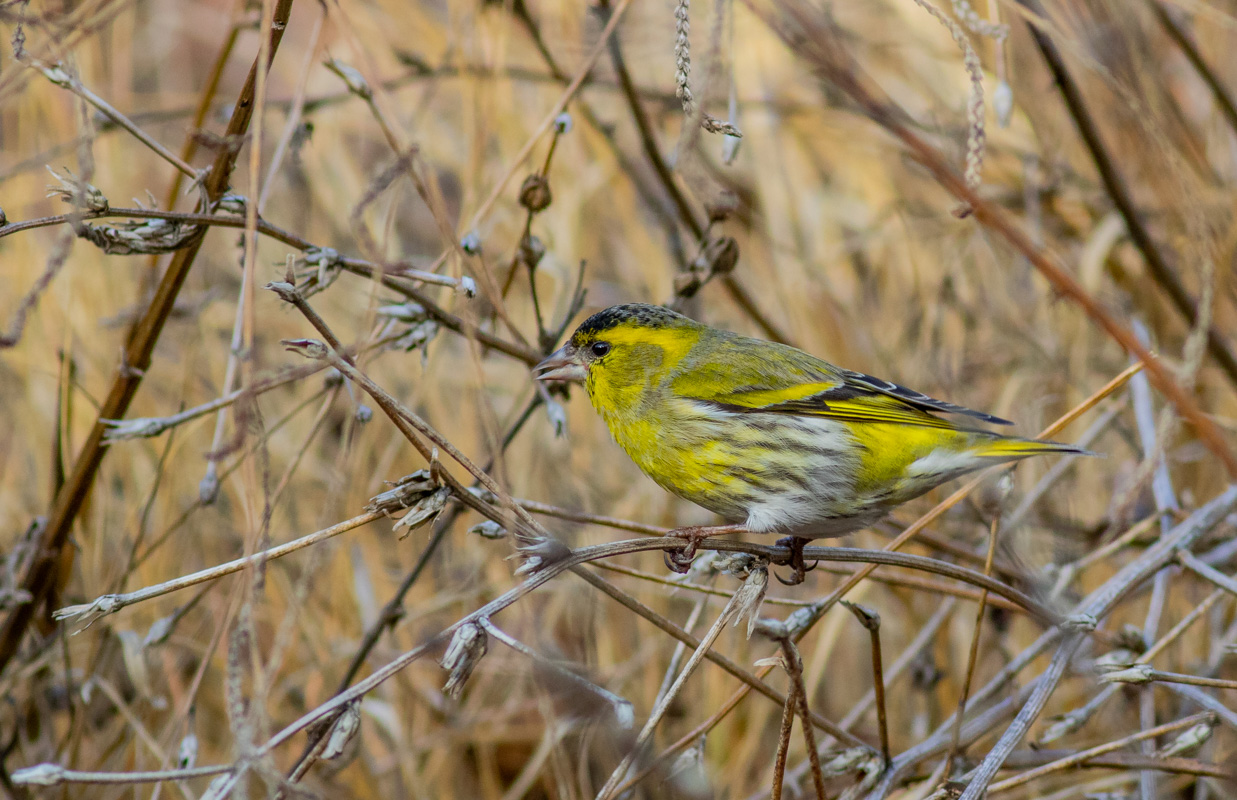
796 561
680 560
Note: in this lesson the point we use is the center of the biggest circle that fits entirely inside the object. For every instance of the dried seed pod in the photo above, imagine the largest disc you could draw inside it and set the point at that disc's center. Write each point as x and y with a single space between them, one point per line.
343 731
722 206
532 250
489 529
535 193
750 596
1189 741
468 646
721 254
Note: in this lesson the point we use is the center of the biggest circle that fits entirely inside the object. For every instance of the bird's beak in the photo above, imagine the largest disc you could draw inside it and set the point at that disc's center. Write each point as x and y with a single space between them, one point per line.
561 366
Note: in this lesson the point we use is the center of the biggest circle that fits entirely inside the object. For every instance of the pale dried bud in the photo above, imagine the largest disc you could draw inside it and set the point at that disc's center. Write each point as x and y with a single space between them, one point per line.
309 348
562 123
324 266
343 731
404 492
736 564
471 243
145 237
1083 623
489 529
1063 726
231 204
58 75
208 487
538 553
140 428
467 648
39 775
187 754
352 78
1137 674
466 286
73 189
87 613
1116 659
286 291
849 760
159 631
1003 103
557 415
363 413
866 616
409 312
423 511
1188 741
418 335
751 594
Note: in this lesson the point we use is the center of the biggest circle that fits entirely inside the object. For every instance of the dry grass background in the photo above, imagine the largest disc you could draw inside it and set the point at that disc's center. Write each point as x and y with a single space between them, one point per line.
848 249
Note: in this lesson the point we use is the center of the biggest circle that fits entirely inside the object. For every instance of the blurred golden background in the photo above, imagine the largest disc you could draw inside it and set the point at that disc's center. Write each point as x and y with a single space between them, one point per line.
390 132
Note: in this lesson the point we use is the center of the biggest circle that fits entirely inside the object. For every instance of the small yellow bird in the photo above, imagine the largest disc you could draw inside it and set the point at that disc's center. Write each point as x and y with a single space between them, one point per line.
768 437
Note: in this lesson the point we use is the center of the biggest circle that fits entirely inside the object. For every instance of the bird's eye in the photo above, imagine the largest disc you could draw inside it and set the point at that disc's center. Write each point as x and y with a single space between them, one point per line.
599 349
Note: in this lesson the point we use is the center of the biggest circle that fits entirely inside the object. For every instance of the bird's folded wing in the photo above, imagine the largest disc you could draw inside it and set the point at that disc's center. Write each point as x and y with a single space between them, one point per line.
856 398
914 398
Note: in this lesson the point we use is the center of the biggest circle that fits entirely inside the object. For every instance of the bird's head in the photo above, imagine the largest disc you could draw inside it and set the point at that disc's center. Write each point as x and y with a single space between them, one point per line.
621 345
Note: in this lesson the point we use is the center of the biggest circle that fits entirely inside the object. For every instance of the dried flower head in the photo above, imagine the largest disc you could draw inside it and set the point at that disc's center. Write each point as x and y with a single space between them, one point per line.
468 646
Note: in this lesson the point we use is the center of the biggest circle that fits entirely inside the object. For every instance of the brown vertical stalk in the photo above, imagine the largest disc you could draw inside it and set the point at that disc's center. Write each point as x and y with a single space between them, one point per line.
136 359
783 741
872 621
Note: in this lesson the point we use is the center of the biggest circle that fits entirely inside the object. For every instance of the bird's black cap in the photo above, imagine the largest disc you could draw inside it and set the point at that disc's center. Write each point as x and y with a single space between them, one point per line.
640 313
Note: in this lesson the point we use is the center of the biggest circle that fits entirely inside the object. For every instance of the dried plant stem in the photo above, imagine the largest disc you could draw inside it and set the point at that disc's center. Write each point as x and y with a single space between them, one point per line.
1223 98
783 741
1085 755
111 603
955 750
111 112
910 581
751 680
794 668
1095 606
1207 572
706 643
872 622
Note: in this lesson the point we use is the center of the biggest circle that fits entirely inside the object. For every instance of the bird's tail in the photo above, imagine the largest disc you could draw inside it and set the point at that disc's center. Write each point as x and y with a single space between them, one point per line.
1009 448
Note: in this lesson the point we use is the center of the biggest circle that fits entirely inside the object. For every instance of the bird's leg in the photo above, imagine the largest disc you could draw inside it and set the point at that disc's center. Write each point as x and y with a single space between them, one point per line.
681 560
800 567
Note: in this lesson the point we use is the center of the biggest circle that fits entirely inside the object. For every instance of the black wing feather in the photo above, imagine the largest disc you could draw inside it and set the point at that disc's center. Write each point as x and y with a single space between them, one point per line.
913 398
